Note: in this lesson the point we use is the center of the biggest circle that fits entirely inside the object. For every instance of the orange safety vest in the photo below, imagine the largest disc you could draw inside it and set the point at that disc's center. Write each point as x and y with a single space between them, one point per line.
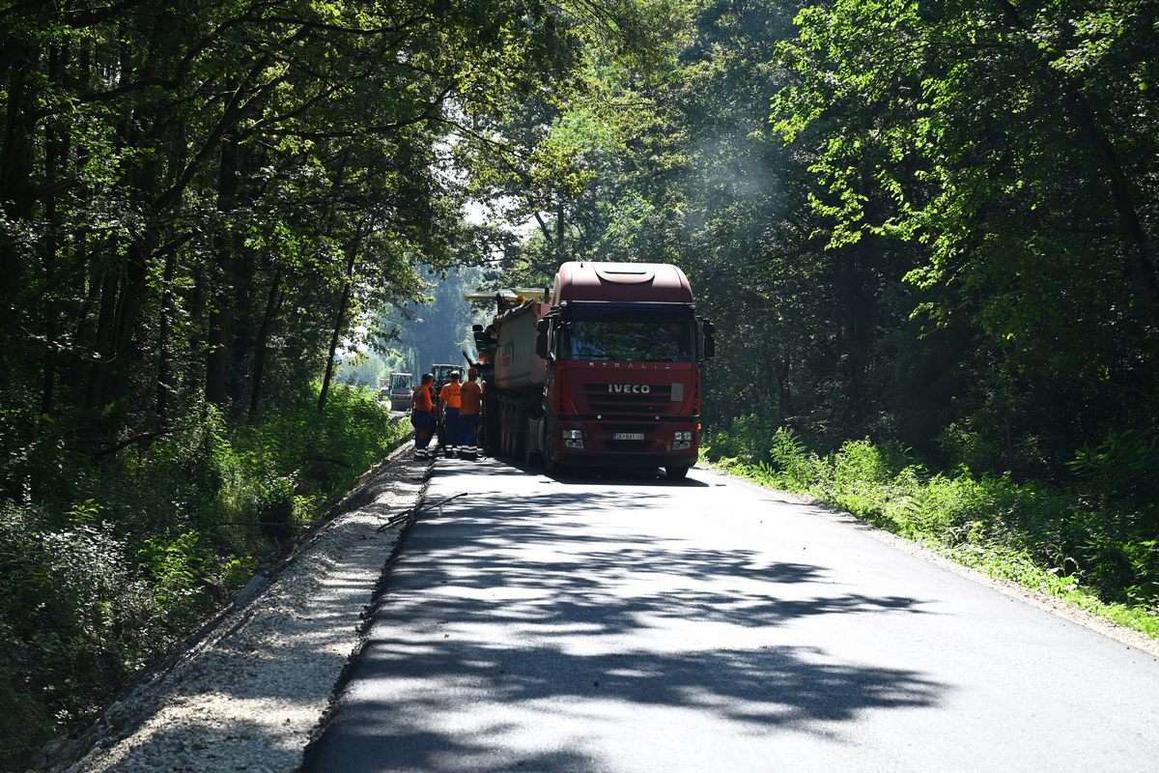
422 400
472 395
451 395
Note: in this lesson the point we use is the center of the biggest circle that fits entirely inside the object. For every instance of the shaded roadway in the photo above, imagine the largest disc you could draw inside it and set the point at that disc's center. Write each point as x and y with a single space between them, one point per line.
636 624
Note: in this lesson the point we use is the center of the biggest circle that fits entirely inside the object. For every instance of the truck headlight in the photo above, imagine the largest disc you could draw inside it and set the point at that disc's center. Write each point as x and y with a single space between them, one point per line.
682 439
573 438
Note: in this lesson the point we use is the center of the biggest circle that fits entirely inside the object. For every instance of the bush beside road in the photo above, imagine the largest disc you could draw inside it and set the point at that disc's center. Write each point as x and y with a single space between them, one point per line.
249 694
125 556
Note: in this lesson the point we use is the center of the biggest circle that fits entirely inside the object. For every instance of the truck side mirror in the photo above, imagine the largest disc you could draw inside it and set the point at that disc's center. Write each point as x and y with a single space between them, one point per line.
709 339
541 328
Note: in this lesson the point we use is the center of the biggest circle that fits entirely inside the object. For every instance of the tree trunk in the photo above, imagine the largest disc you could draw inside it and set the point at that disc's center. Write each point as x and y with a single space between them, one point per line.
339 321
219 335
17 195
141 128
273 304
242 272
55 156
559 231
126 351
216 357
241 348
164 384
103 341
1140 252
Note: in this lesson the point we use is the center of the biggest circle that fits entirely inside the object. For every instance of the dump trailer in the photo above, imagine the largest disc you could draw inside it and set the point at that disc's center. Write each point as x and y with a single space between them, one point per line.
602 370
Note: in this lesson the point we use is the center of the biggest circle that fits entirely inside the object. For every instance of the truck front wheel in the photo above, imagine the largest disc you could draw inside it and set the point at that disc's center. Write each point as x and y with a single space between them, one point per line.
675 473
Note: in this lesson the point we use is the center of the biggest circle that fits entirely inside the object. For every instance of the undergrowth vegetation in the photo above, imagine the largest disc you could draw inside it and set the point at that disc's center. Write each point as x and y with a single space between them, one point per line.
1092 539
107 563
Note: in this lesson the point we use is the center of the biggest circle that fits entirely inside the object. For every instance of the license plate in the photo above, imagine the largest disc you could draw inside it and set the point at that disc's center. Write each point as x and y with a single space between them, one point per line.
627 436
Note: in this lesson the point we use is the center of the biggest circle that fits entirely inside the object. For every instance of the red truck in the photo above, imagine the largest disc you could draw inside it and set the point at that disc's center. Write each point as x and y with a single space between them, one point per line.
602 371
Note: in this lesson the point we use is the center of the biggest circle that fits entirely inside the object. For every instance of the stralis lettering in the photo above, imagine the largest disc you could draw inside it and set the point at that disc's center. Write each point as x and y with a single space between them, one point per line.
634 389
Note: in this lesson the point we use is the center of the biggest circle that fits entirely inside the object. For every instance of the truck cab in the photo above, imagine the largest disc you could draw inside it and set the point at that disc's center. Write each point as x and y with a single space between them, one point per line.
600 370
623 348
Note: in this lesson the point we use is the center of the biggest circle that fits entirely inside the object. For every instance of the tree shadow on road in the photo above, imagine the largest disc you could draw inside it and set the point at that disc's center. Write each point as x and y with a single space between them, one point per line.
515 607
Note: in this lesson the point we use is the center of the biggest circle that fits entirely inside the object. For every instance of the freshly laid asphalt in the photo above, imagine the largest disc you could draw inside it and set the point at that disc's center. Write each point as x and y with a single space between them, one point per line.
632 624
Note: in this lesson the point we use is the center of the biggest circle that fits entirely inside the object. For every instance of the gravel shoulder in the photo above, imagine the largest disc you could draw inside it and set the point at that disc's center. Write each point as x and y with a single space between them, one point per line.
250 692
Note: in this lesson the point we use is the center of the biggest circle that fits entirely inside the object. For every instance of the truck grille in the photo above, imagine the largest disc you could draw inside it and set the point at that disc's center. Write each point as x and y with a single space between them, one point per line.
657 402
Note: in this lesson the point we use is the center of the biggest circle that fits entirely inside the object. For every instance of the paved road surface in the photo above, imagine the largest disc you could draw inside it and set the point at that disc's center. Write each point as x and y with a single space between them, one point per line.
639 625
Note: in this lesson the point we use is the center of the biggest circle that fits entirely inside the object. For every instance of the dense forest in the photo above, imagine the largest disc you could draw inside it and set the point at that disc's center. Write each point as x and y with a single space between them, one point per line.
924 227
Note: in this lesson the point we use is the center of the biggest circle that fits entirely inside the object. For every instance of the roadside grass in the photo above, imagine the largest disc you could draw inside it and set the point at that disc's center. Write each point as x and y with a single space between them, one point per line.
1045 538
107 563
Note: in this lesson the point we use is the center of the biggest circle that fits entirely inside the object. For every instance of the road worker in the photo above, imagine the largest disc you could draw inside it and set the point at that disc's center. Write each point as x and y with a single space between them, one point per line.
422 415
451 398
471 395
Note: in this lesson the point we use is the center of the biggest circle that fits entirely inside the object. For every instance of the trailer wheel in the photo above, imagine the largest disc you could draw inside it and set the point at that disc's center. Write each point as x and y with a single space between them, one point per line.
533 440
491 432
506 444
675 473
528 450
550 465
518 435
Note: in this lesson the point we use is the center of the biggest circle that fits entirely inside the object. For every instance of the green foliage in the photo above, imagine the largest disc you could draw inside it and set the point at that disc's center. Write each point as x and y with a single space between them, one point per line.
929 225
174 567
792 461
76 617
1008 151
1122 467
131 553
437 330
746 438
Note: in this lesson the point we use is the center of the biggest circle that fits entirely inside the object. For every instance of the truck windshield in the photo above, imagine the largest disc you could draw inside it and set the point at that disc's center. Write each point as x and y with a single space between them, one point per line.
623 340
